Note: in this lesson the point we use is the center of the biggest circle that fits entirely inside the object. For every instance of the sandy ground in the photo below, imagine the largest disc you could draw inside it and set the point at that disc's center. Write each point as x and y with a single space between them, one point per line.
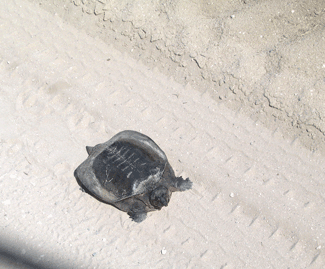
257 201
263 58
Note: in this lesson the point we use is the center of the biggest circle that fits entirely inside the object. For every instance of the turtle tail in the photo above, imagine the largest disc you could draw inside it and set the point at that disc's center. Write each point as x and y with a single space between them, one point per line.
89 149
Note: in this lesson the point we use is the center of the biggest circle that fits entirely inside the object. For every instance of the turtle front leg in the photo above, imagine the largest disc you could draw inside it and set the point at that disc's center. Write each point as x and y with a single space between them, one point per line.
138 216
182 185
138 212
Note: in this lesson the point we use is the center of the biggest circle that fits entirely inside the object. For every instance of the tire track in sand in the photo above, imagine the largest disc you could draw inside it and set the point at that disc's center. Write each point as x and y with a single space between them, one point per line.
257 200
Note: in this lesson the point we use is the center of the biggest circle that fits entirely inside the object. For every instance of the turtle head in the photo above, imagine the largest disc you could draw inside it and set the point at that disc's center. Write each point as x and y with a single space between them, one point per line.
160 197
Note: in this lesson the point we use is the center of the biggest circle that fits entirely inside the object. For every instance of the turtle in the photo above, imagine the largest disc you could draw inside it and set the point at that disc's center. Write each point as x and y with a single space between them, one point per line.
131 173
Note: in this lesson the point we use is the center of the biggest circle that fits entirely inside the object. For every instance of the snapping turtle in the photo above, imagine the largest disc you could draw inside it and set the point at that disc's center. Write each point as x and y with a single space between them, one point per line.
130 172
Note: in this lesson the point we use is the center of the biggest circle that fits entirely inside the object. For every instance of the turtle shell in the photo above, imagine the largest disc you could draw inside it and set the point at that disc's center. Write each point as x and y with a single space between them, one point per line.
129 164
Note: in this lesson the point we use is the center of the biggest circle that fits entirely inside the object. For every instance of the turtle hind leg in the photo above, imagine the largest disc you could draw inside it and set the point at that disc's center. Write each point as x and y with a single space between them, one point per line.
136 208
138 216
182 185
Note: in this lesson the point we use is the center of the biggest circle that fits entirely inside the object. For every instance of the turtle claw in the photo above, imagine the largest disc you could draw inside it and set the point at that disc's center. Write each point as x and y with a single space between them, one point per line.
138 217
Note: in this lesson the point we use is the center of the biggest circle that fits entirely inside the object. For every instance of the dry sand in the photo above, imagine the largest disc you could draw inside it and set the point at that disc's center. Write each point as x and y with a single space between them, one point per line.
257 201
263 58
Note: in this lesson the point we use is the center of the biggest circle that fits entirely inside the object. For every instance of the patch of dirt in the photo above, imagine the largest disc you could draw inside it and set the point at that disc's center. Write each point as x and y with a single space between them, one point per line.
264 59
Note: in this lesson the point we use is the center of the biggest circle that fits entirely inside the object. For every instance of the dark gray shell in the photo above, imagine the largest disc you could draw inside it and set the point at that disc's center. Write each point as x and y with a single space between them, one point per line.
129 164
